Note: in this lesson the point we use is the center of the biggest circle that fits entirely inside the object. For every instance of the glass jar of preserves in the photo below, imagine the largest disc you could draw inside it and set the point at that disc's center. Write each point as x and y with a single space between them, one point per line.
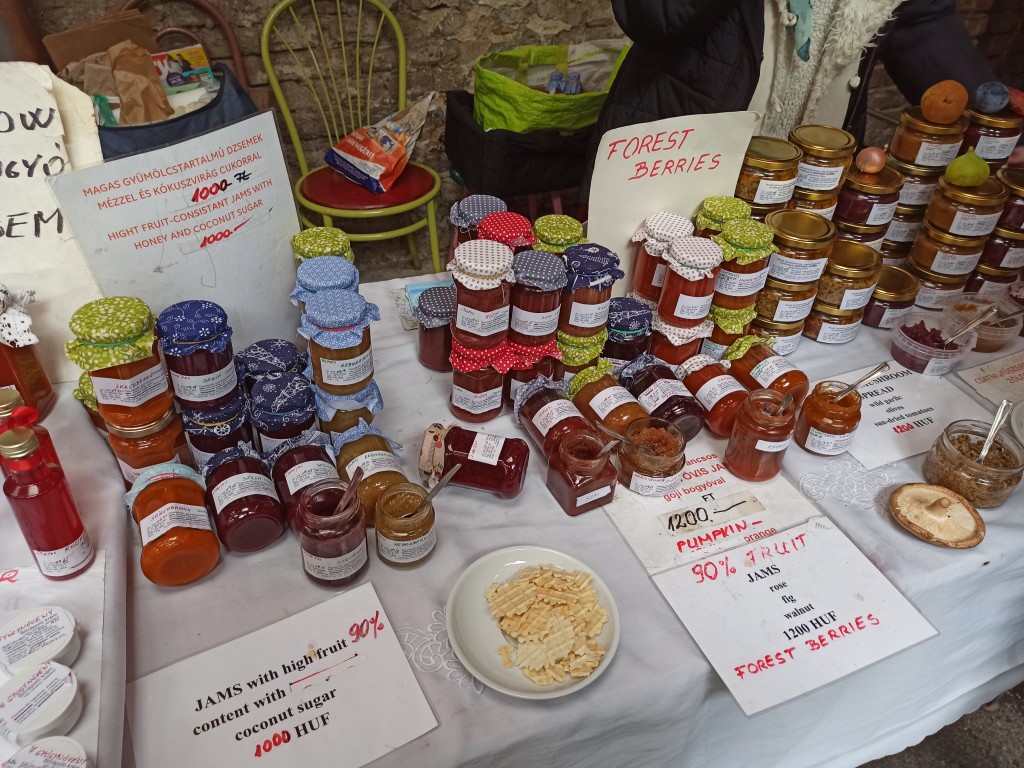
784 302
268 356
652 457
729 325
325 273
332 540
1004 249
337 324
892 298
993 136
674 345
657 389
466 214
990 281
369 448
945 254
866 234
804 242
831 325
755 365
825 426
536 297
920 142
579 476
196 342
210 431
827 153
511 229
786 335
248 515
870 198
298 463
168 503
967 211
19 364
652 242
693 264
490 463
114 341
591 272
716 211
760 437
519 377
719 394
136 448
282 407
1012 300
477 382
919 181
601 400
85 394
629 332
339 413
746 248
935 291
759 213
406 534
813 201
547 415
578 352
555 232
850 277
483 275
895 254
769 171
435 311
905 225
1013 210
952 463
321 241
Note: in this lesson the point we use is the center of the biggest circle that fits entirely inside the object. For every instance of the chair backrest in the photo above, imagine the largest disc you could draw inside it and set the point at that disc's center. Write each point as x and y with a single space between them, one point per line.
327 55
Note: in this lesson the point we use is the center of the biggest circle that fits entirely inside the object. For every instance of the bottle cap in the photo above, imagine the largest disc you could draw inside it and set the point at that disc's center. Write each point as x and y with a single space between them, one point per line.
9 400
18 443
39 635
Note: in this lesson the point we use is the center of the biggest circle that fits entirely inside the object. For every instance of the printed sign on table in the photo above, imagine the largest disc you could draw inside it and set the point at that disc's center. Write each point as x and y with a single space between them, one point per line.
998 380
328 686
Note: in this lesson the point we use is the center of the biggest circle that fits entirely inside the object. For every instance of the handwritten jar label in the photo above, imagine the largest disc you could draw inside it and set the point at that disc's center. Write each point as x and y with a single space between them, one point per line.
774 191
790 270
740 283
406 551
826 443
481 323
936 155
819 178
646 485
486 448
973 224
335 568
715 389
65 560
476 402
345 372
692 307
771 368
660 391
791 311
373 462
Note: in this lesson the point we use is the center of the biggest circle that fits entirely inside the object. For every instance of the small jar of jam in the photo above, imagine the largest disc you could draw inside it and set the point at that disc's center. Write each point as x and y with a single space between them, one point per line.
1013 211
210 431
729 325
892 298
483 291
784 302
716 211
657 389
85 394
759 213
332 540
20 366
629 332
786 335
114 341
945 254
339 413
967 211
547 415
511 229
693 264
246 510
831 325
282 406
990 281
819 203
466 214
321 241
755 365
196 342
850 276
920 142
652 457
827 153
870 235
674 345
406 535
178 543
268 356
435 311
769 171
826 426
746 247
1004 249
719 393
477 383
870 198
520 376
762 433
905 225
653 240
592 270
369 448
602 400
919 181
578 352
158 442
536 297
555 232
326 273
489 462
298 463
895 254
935 291
337 324
579 476
992 136
804 242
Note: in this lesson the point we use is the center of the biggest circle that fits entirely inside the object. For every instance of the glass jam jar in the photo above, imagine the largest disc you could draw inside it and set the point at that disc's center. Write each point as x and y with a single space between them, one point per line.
591 272
831 325
20 366
760 437
786 335
248 515
332 541
746 247
1013 211
339 413
555 232
466 214
282 406
210 431
895 254
168 503
578 353
920 142
337 324
919 181
483 275
693 264
579 476
547 415
867 234
674 345
952 463
755 365
870 198
511 229
892 298
657 389
114 341
1004 249
476 392
324 273
967 211
536 297
769 171
716 211
314 242
196 342
518 377
804 242
369 448
783 302
435 311
905 225
268 356
828 152
813 201
759 213
601 400
825 427
629 332
850 277
990 281
652 241
489 462
945 254
716 390
935 291
298 463
136 448
729 325
992 136
652 457
87 397
406 535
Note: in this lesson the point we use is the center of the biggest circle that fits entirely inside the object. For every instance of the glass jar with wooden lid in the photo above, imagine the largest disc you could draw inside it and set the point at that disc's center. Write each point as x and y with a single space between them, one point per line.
935 291
769 171
920 142
892 298
967 211
919 181
871 235
944 253
992 136
827 153
870 198
804 241
850 275
1013 210
822 203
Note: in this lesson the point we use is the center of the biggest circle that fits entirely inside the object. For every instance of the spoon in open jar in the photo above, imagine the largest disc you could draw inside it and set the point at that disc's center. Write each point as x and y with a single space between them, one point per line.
346 497
1012 316
783 404
971 324
434 491
880 368
1004 410
622 438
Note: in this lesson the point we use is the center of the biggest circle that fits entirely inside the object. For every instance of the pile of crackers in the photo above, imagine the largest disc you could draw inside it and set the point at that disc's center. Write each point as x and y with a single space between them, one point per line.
553 616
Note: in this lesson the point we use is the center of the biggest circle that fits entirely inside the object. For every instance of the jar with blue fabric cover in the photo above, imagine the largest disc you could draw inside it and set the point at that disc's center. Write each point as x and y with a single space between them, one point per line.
282 406
210 431
629 332
536 297
268 356
468 212
326 273
240 492
337 324
483 275
435 311
339 413
591 271
196 341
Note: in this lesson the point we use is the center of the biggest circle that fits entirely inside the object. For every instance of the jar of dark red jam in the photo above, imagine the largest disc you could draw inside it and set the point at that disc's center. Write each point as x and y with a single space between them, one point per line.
489 462
324 273
693 264
241 493
993 136
905 224
435 311
536 297
196 342
507 228
1013 210
895 254
866 234
579 476
1004 249
629 332
482 270
990 281
718 210
518 377
297 464
591 272
268 356
547 414
282 407
337 324
652 241
746 247
869 198
655 386
467 213
332 540
716 390
892 298
208 432
674 345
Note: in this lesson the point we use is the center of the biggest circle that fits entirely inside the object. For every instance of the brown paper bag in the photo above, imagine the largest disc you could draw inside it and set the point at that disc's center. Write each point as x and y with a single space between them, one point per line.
142 95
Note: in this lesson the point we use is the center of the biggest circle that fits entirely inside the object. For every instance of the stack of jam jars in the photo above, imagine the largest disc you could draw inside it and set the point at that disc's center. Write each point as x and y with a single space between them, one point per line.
337 413
827 154
536 304
693 264
556 232
715 212
919 184
282 406
844 290
653 240
326 273
768 175
993 136
268 356
1002 258
591 271
511 229
321 241
629 332
746 247
867 205
19 364
467 213
208 432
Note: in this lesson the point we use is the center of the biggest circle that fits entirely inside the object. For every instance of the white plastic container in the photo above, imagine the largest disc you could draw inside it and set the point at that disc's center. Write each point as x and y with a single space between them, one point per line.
922 358
39 635
53 752
39 702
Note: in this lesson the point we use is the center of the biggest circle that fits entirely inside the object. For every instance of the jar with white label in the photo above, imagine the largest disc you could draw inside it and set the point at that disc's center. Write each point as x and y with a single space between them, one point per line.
821 203
652 457
282 406
945 254
718 392
476 391
332 541
762 433
895 254
536 297
825 426
136 448
850 276
892 298
602 400
298 463
870 198
1004 249
918 141
919 181
196 341
167 501
693 264
804 242
662 394
338 413
993 136
547 415
783 302
935 291
769 171
652 242
746 247
827 154
871 235
337 324
756 365
520 377
241 494
406 534
490 463
591 271
787 335
1013 211
990 281
967 211
579 476
905 224
831 325
367 448
210 431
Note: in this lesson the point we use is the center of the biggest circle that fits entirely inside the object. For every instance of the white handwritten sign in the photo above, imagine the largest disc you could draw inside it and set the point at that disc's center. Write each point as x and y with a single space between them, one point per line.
998 380
328 686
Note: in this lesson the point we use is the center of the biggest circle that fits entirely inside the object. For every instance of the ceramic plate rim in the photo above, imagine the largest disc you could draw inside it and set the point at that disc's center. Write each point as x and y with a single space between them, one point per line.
486 569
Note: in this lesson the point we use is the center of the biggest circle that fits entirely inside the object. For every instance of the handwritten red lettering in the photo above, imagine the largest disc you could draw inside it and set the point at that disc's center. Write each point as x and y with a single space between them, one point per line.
846 629
763 664
9 576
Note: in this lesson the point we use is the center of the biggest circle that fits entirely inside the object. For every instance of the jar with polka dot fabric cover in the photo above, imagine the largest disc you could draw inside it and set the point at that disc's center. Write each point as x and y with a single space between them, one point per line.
536 297
337 324
196 341
466 214
507 228
482 270
693 264
653 240
675 345
435 311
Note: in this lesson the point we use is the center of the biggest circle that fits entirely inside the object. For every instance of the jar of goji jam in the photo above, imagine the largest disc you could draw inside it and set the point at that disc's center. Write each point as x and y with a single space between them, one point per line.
592 270
337 324
825 426
196 342
579 476
338 413
755 365
719 393
178 543
87 397
578 352
769 171
268 356
19 364
489 462
657 389
967 211
282 406
114 341
919 181
945 254
787 336
210 431
761 435
507 228
729 325
369 448
483 291
325 273
892 298
828 152
332 540
905 225
536 297
870 198
746 248
935 291
653 240
136 448
718 210
990 281
784 302
993 136
819 203
556 232
248 515
466 214
920 142
629 332
693 264
1013 210
1004 249
520 376
602 400
547 415
804 242
298 463
652 457
674 345
477 381
435 311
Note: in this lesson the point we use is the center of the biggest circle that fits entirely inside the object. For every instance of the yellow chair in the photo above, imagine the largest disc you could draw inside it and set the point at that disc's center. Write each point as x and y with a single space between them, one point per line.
331 47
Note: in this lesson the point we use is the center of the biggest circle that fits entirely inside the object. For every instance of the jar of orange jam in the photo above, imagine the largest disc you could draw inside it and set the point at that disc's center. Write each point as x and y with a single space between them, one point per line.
337 324
920 142
756 366
693 264
600 398
967 211
674 345
652 242
719 393
825 426
160 441
746 247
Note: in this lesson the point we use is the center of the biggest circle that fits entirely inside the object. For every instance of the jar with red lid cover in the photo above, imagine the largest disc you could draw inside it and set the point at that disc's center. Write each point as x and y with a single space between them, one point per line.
547 414
282 406
246 510
478 379
825 427
717 211
298 463
652 241
693 264
511 229
719 393
1013 210
489 462
756 365
466 214
760 437
196 341
655 386
435 311
20 367
629 332
483 275
210 431
579 476
536 297
591 271
746 247
602 400
674 345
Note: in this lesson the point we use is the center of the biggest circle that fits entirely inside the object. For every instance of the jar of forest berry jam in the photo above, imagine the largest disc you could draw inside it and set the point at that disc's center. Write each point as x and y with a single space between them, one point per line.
298 463
332 541
483 275
246 510
592 270
870 198
993 136
629 332
693 264
1013 210
435 311
196 342
653 240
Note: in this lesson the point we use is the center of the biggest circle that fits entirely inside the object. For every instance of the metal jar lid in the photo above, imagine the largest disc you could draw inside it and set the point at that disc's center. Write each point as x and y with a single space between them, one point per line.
781 285
816 195
909 169
823 140
1012 179
896 284
1002 119
773 325
771 154
990 271
941 236
853 259
828 309
989 193
1008 233
800 229
912 117
887 181
860 229
923 273
145 430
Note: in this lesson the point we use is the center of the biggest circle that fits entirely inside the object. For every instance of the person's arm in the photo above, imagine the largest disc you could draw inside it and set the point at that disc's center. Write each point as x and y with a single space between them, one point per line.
662 26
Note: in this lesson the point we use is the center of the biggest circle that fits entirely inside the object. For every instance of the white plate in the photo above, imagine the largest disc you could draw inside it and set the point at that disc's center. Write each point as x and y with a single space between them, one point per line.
475 635
1017 420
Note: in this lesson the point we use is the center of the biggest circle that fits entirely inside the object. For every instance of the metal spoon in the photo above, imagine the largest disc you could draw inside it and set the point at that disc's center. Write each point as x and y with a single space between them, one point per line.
622 438
1012 316
881 367
1004 410
972 324
434 491
346 497
783 404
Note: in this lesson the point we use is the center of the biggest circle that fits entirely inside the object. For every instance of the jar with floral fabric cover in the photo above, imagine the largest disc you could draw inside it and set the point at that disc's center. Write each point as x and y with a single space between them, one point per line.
196 341
746 247
483 275
629 332
478 377
298 463
338 413
511 229
756 365
716 211
591 271
241 494
434 312
655 385
367 447
326 273
337 324
321 241
653 240
87 397
729 325
282 406
20 367
578 352
693 264
555 232
536 297
466 214
210 431
674 345
268 356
